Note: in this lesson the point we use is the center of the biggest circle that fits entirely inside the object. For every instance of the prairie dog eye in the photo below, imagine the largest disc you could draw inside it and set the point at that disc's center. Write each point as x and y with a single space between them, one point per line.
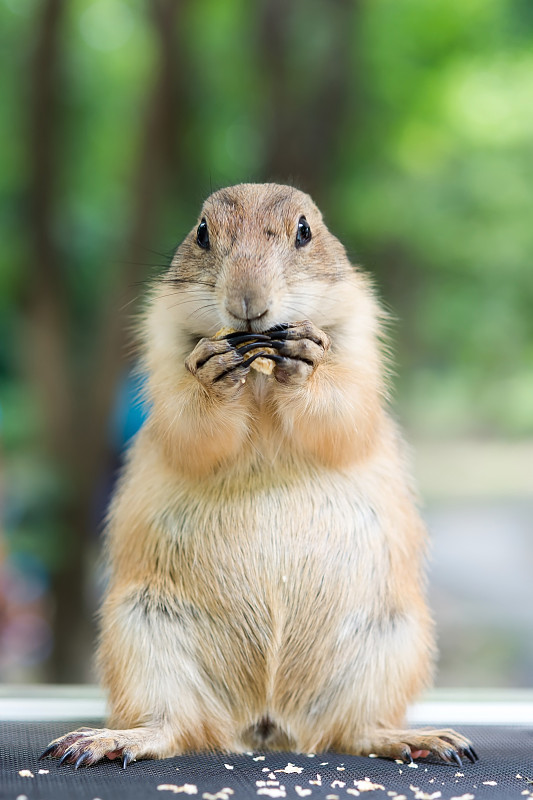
202 235
303 234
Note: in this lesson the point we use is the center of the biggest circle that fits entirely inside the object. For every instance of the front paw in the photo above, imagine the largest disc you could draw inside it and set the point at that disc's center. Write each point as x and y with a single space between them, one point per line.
219 367
302 347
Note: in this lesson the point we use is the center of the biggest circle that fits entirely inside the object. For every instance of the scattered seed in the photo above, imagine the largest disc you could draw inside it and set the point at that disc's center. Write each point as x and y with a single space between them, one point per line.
26 773
368 786
290 768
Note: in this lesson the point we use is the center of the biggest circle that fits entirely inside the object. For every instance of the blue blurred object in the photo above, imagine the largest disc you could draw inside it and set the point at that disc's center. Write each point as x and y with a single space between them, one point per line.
130 409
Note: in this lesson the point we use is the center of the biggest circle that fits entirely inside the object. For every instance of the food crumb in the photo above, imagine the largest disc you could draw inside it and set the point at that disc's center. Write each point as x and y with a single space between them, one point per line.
353 791
273 792
413 765
398 761
22 797
318 781
463 797
259 758
367 785
421 795
302 792
43 772
332 797
338 784
229 766
310 755
290 768
188 788
223 794
26 773
373 755
489 783
341 769
459 774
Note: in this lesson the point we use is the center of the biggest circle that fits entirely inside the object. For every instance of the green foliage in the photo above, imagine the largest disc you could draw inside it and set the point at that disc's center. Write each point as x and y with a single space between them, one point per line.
429 184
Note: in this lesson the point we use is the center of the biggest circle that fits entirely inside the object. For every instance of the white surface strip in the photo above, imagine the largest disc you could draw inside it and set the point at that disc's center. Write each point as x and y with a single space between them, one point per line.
442 706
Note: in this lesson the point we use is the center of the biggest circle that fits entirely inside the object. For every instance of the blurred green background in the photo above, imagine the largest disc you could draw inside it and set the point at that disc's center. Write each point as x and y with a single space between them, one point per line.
410 123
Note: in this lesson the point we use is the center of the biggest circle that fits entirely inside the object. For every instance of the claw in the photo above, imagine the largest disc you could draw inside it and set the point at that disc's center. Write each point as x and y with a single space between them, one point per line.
408 757
271 356
239 336
283 326
46 753
471 754
82 759
246 347
281 332
66 755
127 758
454 756
254 345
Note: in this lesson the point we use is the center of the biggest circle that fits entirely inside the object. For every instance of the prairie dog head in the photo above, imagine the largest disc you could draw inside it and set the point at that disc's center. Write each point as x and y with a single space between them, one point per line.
259 255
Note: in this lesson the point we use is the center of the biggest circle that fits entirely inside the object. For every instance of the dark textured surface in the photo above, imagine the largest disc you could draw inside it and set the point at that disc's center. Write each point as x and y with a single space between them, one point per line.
504 753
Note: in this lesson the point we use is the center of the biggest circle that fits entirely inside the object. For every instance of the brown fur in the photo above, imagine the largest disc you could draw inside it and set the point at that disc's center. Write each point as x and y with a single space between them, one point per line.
266 553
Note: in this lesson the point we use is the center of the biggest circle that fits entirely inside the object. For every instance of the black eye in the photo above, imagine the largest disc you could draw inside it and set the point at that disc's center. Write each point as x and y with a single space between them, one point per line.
202 235
303 234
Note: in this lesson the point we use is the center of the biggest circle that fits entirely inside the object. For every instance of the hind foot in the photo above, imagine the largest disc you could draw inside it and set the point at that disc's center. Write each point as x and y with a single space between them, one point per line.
86 746
447 745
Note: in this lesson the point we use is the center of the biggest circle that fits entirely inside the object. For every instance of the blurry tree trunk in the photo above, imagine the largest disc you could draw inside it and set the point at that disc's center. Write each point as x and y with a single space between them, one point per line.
76 408
303 134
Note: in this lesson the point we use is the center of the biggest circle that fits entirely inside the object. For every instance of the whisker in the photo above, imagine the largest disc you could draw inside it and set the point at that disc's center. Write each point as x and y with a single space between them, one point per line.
201 309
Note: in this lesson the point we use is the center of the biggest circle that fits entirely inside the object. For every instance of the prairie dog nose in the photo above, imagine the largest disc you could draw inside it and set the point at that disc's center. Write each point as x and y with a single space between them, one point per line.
249 307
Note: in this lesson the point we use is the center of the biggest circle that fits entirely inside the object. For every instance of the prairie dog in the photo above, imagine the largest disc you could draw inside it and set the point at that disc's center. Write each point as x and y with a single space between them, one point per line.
267 581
